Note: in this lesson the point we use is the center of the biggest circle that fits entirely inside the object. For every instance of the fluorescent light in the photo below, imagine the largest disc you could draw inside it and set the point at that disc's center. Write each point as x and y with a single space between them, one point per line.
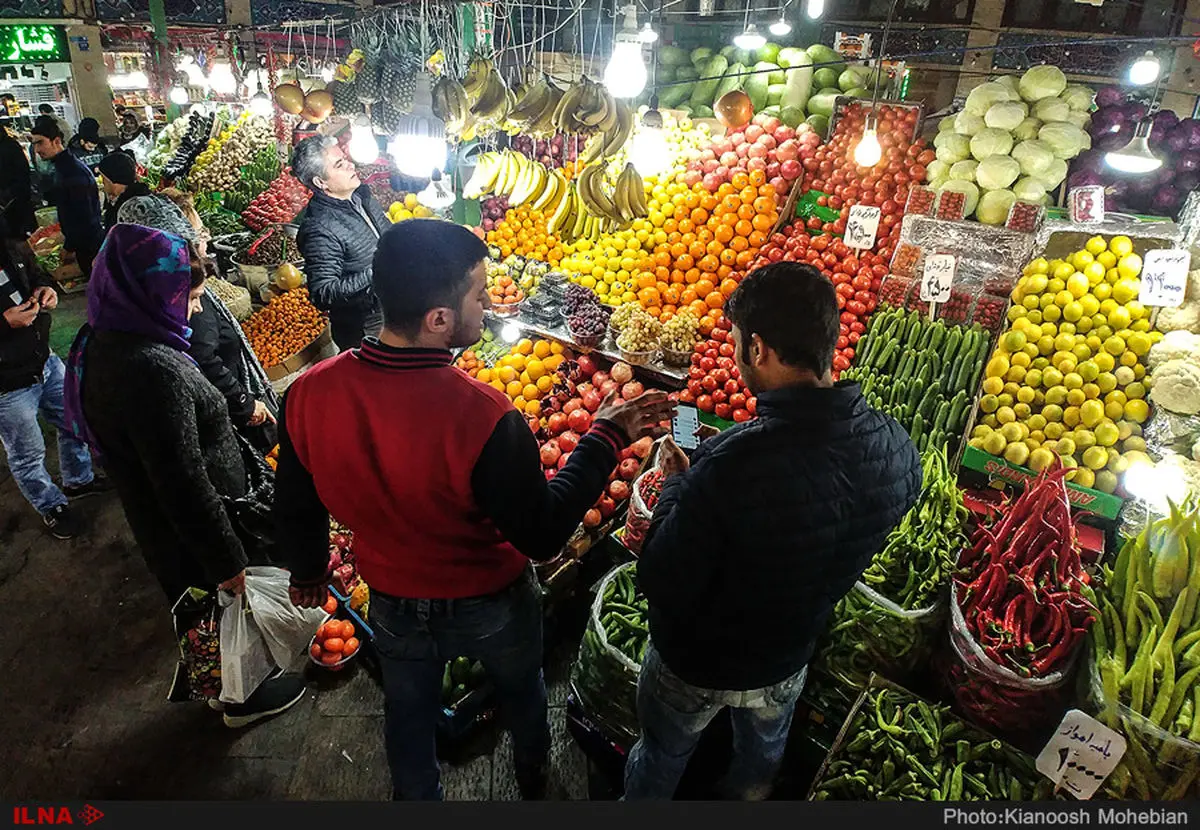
178 95
364 149
419 147
749 39
650 152
814 9
1144 70
781 27
260 104
222 80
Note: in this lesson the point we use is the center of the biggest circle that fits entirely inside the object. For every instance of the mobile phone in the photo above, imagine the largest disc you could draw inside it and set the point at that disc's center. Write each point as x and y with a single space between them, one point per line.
684 426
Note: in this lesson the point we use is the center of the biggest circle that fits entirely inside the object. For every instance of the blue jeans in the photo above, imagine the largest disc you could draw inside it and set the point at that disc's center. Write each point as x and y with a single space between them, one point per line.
674 713
415 638
26 449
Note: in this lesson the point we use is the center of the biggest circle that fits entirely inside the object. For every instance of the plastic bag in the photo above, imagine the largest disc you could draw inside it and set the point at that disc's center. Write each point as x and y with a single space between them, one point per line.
605 676
198 673
286 629
1157 765
995 697
245 659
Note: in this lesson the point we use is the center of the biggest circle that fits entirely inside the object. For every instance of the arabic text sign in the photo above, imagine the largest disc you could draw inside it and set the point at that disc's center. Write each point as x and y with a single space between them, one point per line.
34 44
1081 754
937 278
1164 277
861 226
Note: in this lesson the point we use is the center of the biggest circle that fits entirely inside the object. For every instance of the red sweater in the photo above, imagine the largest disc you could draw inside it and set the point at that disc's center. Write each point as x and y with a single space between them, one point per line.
392 443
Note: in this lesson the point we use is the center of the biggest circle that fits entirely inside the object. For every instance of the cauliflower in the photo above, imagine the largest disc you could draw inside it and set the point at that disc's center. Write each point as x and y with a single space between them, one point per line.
1189 468
1175 345
1184 318
1177 387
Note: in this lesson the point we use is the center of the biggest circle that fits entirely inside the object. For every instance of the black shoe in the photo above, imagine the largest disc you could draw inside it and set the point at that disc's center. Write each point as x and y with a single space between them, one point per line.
276 694
532 782
61 522
98 484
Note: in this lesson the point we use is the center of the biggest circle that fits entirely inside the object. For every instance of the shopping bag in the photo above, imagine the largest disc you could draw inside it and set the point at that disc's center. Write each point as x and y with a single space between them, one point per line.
198 672
286 629
245 659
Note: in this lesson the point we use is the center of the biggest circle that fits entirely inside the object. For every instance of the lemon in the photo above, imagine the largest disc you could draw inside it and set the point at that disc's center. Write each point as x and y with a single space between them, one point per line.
1055 394
1137 410
1083 477
1139 343
1015 374
1114 345
1012 432
1006 415
1091 412
990 420
1038 266
1053 413
1139 371
1009 391
1143 326
1065 362
1033 378
1062 270
1051 377
1136 310
1121 245
1077 283
1135 391
1021 360
1022 411
1065 446
1106 482
1107 258
1081 259
1104 290
1104 360
1026 395
1045 344
1005 400
1119 317
1030 350
1013 341
997 367
992 385
1084 325
977 443
1051 313
1107 434
994 444
1072 312
1129 266
989 403
1095 458
1016 453
981 431
1094 273
1091 390
1072 380
1054 431
1055 285
1076 397
1041 363
1096 245
1134 443
1071 416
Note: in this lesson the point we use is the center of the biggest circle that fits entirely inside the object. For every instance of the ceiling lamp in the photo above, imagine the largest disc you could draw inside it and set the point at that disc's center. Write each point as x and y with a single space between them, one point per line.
750 39
625 74
1135 157
1144 70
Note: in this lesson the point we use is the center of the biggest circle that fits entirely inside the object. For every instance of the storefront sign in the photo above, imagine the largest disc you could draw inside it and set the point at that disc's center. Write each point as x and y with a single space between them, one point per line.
34 44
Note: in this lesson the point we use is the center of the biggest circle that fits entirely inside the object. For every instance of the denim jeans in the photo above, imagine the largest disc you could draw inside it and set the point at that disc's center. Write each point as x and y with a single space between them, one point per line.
674 713
415 638
26 449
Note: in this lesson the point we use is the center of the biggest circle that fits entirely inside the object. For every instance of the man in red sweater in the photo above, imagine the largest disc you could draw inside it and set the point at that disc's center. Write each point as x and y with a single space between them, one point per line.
440 480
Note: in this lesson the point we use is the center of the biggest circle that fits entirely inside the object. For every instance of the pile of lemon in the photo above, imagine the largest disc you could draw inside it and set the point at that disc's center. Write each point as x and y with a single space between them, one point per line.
527 373
408 208
610 265
1068 377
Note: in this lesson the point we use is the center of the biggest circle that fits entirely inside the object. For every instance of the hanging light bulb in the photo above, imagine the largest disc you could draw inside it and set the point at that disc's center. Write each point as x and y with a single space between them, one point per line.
650 152
749 39
436 195
178 95
868 152
261 105
1135 157
648 35
814 9
327 73
419 147
222 80
510 333
781 27
625 74
1144 70
364 149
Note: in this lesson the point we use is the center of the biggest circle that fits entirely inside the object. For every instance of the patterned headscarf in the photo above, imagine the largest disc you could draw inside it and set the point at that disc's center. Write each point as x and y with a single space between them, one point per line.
156 212
140 285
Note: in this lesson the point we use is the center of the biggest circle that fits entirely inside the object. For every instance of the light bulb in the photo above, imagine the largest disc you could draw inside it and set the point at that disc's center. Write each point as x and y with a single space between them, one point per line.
327 74
511 333
749 39
650 152
364 149
814 9
625 75
222 79
419 147
1144 70
868 152
781 27
1134 157
178 95
436 195
648 35
260 104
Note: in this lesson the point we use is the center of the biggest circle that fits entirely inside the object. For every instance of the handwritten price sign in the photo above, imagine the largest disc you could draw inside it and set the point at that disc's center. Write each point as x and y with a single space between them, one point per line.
1087 204
861 226
937 278
1081 754
1164 277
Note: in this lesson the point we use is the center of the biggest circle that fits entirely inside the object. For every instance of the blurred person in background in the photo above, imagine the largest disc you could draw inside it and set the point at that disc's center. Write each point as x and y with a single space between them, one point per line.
87 145
48 111
130 127
74 194
118 176
16 190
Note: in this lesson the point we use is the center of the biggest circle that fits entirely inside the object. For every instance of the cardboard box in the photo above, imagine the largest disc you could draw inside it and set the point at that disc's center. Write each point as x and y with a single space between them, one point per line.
301 358
1081 498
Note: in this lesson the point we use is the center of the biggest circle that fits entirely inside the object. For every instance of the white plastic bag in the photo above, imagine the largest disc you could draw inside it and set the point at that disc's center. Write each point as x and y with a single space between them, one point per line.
245 659
286 629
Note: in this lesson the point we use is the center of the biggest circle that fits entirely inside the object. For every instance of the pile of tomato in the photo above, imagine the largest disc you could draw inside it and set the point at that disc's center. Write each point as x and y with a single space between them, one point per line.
714 383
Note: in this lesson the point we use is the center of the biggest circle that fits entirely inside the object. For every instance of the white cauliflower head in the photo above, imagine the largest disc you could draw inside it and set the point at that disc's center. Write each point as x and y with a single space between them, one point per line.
1184 318
1177 387
1175 345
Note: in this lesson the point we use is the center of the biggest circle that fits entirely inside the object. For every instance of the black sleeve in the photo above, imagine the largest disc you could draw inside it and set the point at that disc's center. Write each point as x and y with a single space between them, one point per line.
301 518
75 209
323 263
680 552
538 516
205 349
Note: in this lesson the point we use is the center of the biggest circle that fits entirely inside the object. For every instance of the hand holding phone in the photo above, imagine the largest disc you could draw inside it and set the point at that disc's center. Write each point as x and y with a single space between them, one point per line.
685 426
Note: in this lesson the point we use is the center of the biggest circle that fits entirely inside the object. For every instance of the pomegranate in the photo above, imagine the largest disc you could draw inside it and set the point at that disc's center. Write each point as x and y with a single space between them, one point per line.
550 453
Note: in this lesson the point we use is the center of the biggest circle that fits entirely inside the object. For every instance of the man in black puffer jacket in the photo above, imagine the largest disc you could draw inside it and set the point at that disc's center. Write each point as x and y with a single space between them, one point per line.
755 540
337 239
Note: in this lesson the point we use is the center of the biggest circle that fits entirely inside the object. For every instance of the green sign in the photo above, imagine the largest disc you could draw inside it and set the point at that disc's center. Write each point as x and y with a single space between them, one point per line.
34 44
1000 470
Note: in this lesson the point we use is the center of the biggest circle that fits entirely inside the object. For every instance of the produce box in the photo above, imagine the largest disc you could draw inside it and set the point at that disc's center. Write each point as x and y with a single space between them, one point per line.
302 358
1000 472
843 102
896 746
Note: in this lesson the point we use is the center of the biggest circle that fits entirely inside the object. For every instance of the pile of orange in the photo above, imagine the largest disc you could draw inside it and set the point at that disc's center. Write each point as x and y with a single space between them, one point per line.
283 327
523 231
526 374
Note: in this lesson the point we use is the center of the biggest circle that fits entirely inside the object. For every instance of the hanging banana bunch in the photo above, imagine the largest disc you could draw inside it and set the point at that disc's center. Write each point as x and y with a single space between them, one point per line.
612 135
534 111
521 179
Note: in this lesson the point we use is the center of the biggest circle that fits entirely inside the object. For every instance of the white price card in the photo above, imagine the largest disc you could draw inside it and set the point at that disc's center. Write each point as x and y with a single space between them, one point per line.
1081 754
937 278
1086 204
1164 277
861 226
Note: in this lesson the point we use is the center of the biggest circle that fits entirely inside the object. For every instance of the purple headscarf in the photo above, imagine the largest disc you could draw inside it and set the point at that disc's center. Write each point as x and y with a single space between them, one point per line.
140 285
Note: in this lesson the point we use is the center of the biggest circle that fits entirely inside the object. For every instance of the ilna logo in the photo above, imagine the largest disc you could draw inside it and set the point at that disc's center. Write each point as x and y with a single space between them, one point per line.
56 815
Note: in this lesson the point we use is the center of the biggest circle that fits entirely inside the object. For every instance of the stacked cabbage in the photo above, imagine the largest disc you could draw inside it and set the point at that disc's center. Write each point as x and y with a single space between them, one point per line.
1012 141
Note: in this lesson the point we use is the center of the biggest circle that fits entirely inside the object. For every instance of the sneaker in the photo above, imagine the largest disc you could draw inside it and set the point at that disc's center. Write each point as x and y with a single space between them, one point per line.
215 704
276 694
61 522
98 484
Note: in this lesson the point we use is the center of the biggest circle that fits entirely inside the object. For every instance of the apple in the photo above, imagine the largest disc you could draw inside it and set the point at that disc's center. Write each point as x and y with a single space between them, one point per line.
756 164
628 469
710 165
753 132
692 178
757 151
550 453
772 169
786 133
607 506
568 441
782 186
790 169
711 182
787 151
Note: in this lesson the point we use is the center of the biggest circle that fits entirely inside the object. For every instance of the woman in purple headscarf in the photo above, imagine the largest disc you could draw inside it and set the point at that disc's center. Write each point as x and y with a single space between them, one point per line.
162 429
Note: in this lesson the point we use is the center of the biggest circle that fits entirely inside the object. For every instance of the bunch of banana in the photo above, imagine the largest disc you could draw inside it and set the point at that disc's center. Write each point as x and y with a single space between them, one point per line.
608 142
491 104
478 72
572 220
451 105
520 178
629 195
585 107
534 112
627 202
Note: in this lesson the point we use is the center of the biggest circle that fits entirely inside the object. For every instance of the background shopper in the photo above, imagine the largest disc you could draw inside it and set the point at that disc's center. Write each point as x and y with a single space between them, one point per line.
74 194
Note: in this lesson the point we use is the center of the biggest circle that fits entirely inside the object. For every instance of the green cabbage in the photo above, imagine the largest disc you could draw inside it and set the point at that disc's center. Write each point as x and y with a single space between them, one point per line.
991 142
946 124
1034 157
1064 139
937 182
953 147
1027 129
1051 109
994 206
1042 82
1029 189
1006 115
968 124
1009 81
1054 175
966 188
997 172
964 170
1079 118
1078 97
981 98
936 169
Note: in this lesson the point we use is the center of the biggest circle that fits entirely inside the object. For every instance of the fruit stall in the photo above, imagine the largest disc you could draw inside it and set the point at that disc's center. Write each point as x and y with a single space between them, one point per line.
1026 311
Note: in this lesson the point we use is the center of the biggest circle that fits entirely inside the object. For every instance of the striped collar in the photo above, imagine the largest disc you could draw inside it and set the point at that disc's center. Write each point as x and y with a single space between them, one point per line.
391 357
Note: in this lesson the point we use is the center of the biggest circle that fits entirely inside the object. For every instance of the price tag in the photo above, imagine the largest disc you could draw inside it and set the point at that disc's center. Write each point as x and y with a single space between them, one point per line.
861 226
937 278
1164 277
1087 204
1081 754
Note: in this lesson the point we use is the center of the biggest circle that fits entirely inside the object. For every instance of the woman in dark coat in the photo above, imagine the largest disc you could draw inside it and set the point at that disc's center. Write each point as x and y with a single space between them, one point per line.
163 431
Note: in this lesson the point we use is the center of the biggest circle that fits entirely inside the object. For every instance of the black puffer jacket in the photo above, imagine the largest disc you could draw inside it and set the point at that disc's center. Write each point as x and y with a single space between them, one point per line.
751 548
338 245
23 351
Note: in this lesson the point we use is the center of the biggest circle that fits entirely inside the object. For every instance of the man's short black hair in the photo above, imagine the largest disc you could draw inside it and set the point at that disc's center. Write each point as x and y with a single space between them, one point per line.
45 109
46 126
422 264
793 308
